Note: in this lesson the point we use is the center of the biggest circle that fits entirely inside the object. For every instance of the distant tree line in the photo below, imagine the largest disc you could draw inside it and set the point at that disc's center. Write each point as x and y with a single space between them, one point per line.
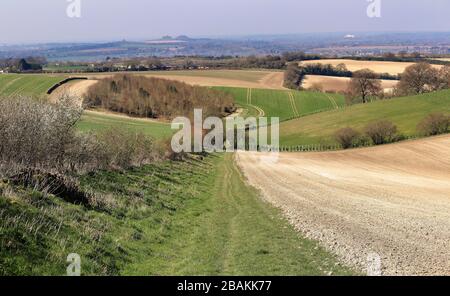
24 65
272 61
184 63
338 71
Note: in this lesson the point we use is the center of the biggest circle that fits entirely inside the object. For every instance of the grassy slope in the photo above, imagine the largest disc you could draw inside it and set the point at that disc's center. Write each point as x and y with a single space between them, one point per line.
94 121
227 229
196 217
309 102
240 97
406 113
275 103
29 84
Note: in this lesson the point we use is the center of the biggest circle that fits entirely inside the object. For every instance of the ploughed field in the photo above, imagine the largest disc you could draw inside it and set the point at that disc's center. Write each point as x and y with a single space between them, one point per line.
232 78
339 84
390 200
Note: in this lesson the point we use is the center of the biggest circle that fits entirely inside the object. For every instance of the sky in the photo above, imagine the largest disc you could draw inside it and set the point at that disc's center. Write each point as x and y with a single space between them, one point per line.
30 21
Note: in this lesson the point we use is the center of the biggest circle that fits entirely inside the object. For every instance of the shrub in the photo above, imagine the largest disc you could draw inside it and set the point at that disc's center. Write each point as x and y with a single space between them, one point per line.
316 86
37 135
346 137
111 149
125 149
434 124
382 132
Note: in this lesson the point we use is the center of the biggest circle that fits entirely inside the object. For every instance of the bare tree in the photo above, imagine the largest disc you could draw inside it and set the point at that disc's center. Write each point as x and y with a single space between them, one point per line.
444 77
363 85
419 78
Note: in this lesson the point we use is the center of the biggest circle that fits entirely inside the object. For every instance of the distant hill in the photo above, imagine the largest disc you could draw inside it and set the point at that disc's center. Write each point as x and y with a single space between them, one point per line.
183 45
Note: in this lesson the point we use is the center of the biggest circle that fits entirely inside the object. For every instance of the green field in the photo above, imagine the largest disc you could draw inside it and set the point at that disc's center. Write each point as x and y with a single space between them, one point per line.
405 112
92 121
279 103
196 217
27 84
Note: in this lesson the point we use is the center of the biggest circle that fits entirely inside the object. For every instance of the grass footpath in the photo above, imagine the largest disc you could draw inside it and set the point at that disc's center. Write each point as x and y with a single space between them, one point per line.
196 217
227 230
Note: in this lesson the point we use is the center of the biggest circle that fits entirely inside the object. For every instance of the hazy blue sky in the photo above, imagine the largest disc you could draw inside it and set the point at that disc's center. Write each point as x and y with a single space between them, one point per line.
46 20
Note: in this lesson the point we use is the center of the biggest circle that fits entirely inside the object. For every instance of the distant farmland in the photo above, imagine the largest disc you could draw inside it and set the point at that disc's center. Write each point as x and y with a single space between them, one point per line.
393 68
338 84
231 78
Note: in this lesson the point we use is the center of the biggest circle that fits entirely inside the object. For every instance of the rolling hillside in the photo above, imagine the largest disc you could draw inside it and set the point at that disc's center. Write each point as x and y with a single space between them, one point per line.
92 121
405 112
284 104
30 84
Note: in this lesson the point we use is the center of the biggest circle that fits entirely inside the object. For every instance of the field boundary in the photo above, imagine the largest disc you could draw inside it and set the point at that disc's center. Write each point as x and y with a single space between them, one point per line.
59 84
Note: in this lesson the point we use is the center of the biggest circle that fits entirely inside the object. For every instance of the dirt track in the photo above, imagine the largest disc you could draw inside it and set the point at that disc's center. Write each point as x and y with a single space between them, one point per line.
393 200
73 89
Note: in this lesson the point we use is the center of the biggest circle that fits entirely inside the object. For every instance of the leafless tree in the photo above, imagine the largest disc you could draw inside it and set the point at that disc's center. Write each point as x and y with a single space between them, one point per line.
418 78
363 85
